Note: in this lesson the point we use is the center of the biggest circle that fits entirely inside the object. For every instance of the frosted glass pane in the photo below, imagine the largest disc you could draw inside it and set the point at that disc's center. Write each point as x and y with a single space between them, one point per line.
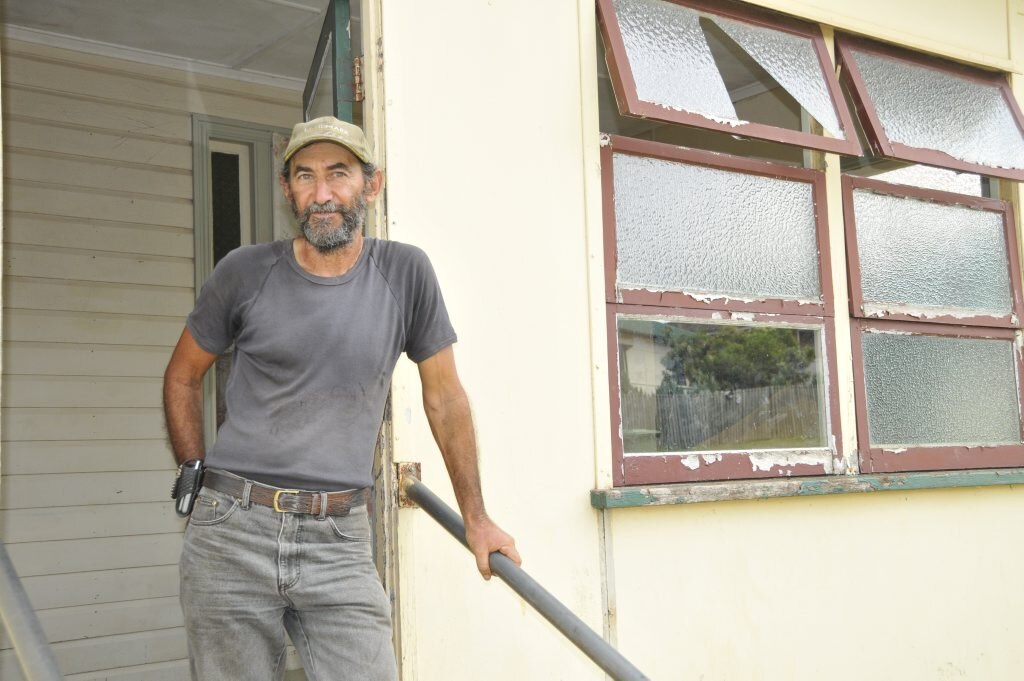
792 61
930 109
919 253
932 390
707 231
929 177
670 59
707 387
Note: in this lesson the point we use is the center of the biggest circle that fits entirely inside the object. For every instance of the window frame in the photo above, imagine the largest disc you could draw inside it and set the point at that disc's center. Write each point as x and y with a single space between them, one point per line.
851 183
931 458
659 150
718 465
659 468
630 104
874 131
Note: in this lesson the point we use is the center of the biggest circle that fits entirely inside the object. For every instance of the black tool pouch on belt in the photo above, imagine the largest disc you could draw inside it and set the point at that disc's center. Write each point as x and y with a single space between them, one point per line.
186 486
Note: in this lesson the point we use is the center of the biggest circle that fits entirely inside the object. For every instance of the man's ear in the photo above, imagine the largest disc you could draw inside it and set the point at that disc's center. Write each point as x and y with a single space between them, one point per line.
376 185
285 187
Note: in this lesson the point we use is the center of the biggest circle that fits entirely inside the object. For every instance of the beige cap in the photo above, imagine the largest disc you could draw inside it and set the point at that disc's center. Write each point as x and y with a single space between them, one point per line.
329 129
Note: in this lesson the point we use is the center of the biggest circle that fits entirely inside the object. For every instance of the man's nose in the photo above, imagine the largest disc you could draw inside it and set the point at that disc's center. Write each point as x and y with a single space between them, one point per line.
323 192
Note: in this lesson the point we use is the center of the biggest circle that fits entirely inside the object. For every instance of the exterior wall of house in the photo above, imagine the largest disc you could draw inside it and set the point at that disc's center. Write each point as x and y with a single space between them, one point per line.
493 166
486 163
98 277
492 160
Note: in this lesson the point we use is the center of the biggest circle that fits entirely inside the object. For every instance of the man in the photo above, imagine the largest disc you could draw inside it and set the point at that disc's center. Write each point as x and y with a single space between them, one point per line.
278 538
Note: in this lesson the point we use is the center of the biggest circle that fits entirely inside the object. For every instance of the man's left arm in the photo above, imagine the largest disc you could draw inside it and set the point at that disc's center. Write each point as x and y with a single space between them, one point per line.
447 409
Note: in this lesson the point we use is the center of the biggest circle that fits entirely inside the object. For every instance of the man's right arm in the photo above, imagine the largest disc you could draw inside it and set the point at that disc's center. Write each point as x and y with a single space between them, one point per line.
183 397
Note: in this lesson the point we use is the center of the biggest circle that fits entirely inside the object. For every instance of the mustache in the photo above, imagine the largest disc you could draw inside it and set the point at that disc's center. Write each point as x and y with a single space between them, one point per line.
326 207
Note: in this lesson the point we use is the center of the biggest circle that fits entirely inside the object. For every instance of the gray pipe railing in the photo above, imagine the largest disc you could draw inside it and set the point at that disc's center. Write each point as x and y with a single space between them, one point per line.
572 627
22 625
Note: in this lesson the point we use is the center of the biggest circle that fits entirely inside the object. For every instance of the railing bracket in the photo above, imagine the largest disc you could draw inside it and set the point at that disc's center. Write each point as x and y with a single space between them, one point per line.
405 473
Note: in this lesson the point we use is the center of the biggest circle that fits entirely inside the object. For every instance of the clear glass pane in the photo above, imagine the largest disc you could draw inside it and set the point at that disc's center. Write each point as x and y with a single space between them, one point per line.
713 232
670 59
793 63
928 108
716 387
935 390
923 254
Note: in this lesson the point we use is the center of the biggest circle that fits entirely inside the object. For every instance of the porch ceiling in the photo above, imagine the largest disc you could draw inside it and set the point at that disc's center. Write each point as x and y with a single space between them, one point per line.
250 37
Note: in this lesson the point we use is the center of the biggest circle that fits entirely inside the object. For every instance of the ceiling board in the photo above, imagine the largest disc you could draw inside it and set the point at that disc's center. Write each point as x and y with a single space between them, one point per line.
276 37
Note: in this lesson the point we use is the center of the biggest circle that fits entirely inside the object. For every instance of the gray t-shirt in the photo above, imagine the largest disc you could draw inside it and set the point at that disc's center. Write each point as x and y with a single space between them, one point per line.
313 357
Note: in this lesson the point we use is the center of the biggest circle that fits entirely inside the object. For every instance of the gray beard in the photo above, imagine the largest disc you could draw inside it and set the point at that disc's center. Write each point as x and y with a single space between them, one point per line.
319 232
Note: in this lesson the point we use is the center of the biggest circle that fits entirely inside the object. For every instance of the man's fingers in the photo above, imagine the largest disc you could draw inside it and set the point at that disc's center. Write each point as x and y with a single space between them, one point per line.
509 550
485 538
483 564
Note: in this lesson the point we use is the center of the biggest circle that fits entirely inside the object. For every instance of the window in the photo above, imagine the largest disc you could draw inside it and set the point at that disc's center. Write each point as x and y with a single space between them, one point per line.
721 318
233 183
716 66
938 387
927 110
936 397
918 254
722 328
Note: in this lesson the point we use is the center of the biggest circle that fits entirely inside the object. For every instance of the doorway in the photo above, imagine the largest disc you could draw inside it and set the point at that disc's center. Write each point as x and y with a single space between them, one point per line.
344 81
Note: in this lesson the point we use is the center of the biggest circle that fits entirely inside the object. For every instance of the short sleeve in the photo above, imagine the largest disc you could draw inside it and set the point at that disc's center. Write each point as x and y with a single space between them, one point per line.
213 322
428 328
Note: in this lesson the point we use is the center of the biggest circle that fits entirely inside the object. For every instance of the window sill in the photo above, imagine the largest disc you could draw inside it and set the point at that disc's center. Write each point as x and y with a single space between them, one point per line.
699 492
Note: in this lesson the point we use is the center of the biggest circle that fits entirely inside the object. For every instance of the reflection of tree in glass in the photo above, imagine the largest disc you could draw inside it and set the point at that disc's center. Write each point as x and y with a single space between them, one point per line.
734 357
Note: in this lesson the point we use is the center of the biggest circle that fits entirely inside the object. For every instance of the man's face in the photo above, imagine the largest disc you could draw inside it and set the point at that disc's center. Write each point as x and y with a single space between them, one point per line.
328 194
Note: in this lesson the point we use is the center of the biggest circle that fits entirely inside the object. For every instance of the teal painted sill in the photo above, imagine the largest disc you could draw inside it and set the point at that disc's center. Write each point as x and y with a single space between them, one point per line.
699 492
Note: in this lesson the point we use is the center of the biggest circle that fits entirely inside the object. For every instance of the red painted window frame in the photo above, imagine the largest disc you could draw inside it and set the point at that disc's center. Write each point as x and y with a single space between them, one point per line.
668 467
639 469
930 458
630 104
853 80
659 150
851 183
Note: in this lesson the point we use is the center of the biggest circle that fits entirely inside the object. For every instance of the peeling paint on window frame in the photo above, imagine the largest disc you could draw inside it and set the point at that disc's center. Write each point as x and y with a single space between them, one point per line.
874 131
707 465
875 310
624 84
932 458
667 467
743 490
698 300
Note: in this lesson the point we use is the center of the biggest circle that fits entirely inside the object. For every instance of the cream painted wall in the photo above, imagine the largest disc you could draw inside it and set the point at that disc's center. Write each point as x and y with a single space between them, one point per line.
885 586
492 138
485 171
972 31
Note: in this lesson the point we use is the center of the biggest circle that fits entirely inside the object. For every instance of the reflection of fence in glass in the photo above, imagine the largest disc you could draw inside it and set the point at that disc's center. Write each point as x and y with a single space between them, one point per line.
769 417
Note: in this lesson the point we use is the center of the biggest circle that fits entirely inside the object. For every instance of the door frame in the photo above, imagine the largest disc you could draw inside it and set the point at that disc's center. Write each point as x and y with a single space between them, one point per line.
262 173
335 42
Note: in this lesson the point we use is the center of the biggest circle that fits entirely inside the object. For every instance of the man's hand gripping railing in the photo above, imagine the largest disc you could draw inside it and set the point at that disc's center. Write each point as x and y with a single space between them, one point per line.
572 627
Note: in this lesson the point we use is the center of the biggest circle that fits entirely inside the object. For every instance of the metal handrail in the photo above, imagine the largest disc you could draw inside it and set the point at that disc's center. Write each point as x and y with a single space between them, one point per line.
583 637
23 628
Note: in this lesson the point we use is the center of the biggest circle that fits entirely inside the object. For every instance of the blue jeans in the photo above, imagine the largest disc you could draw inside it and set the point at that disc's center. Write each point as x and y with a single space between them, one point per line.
249 574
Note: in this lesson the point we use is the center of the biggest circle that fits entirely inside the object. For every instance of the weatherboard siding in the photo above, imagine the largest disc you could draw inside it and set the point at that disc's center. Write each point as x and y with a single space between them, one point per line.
98 277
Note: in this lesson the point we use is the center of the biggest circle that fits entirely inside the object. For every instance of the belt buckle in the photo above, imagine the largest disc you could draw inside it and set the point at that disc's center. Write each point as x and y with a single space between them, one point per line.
277 496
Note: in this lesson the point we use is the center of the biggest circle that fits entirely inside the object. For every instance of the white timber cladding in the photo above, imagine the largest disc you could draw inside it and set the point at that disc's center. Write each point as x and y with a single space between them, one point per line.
98 277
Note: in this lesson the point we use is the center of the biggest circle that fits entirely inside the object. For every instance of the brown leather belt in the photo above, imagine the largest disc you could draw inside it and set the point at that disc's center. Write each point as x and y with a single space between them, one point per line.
287 500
